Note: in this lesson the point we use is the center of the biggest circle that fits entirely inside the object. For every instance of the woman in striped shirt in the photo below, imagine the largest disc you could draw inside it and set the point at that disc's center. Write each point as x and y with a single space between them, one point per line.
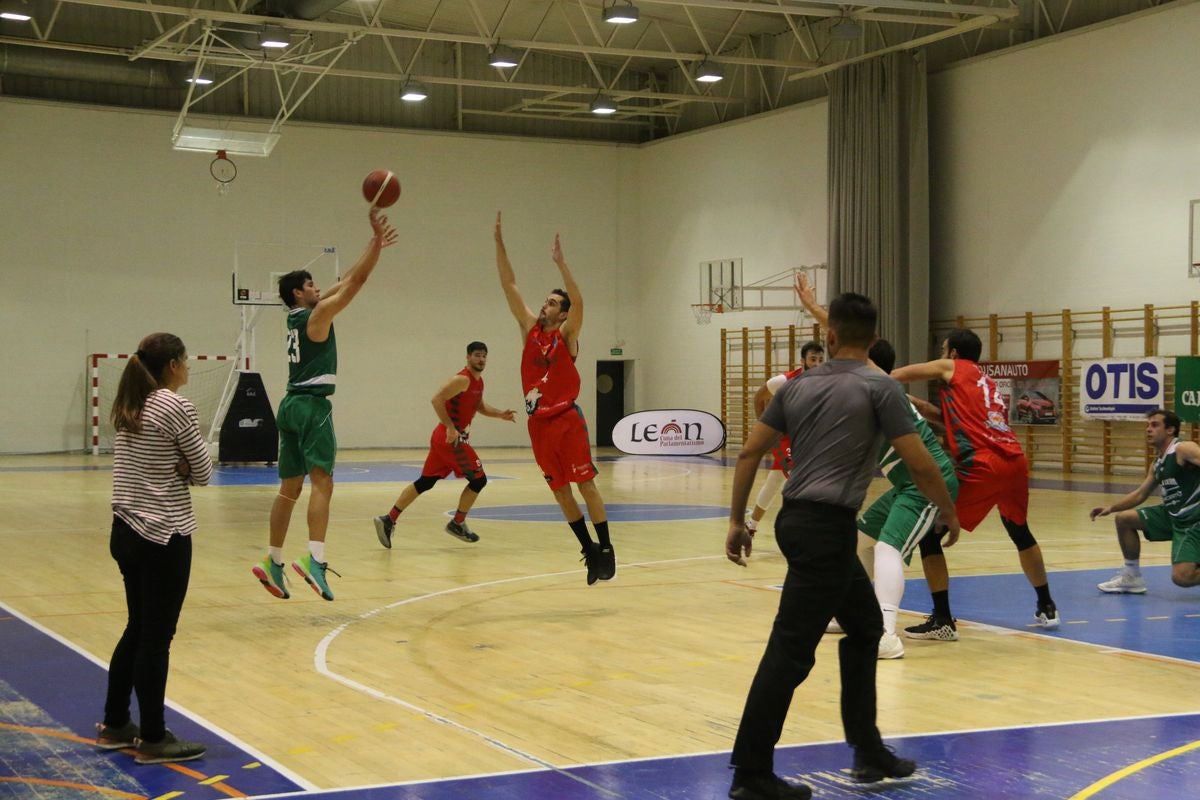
159 453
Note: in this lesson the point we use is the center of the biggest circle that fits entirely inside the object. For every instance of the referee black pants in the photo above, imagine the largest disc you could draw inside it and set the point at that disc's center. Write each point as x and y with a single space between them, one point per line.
156 581
825 579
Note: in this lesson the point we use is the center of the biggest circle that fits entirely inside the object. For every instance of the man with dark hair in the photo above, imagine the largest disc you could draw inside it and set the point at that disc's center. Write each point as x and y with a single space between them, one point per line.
1177 520
837 415
455 405
307 445
902 517
557 429
811 355
992 472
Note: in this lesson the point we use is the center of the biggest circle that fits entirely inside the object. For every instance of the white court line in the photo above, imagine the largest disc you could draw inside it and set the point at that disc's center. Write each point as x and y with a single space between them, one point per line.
320 662
258 756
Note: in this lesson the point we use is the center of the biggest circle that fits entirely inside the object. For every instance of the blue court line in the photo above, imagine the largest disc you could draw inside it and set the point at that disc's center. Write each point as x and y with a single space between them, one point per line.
51 696
1053 761
1165 621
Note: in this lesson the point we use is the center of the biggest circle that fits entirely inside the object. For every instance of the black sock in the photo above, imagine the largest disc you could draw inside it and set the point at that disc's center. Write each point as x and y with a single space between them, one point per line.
1043 593
602 533
941 604
579 528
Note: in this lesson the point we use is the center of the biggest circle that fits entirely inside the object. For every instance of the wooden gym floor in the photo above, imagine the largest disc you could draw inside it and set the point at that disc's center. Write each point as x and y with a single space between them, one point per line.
450 670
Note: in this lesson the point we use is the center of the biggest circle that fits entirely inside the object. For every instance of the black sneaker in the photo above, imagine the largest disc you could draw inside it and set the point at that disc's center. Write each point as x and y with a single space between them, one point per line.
1047 616
766 786
167 751
383 529
461 531
941 629
591 556
607 568
875 764
109 737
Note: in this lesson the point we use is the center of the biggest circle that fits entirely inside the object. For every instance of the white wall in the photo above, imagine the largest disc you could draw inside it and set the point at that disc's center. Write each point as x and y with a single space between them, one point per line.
755 190
109 234
1062 172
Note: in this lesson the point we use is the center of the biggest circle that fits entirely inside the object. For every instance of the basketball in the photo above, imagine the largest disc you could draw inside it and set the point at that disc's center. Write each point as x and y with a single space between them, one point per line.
381 188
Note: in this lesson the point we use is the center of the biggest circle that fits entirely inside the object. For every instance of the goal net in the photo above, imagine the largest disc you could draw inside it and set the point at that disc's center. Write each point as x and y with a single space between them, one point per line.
207 379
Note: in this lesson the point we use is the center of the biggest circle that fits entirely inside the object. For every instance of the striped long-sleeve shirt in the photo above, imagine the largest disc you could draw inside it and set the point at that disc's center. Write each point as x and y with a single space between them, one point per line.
148 492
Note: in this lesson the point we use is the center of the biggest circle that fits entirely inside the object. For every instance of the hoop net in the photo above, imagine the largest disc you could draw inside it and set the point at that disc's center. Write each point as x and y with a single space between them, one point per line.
704 312
207 378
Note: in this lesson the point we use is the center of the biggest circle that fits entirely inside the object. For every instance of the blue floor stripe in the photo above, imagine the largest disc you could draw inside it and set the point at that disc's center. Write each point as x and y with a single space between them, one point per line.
1164 621
50 699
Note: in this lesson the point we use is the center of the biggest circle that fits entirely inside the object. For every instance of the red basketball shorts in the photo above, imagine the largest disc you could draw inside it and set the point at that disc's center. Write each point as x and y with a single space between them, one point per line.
458 459
561 448
993 482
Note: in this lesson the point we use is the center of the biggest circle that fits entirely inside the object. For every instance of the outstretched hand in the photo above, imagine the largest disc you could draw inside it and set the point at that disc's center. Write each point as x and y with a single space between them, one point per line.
499 231
556 253
384 232
1101 511
806 293
509 415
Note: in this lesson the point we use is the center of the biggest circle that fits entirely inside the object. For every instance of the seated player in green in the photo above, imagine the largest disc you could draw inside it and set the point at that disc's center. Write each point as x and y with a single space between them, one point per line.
1177 520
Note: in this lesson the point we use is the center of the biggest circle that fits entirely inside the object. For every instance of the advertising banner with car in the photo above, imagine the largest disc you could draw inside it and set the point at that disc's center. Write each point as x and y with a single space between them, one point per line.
1030 389
1121 388
1187 388
669 432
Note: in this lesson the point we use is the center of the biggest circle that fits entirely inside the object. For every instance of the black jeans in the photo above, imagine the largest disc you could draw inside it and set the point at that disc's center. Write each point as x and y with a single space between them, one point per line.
156 581
825 579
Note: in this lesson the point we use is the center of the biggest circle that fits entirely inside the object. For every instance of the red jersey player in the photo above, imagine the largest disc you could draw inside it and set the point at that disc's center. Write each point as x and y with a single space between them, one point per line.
992 472
811 355
449 449
557 429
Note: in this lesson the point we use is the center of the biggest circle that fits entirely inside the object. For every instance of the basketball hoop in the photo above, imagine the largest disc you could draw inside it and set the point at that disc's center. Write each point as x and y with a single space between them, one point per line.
704 312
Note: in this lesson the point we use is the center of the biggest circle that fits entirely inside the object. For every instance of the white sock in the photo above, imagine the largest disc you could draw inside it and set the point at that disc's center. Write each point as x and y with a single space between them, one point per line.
866 553
276 554
317 550
1133 567
889 583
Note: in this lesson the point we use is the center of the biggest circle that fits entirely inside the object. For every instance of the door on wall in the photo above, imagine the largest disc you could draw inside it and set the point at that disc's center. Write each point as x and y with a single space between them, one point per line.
610 399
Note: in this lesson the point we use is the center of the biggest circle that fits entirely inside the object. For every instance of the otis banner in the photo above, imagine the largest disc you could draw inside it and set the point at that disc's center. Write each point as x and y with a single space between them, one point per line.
1121 388
1187 388
669 432
1030 389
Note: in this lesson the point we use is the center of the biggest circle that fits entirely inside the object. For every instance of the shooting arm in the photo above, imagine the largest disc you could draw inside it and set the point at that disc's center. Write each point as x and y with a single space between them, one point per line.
508 282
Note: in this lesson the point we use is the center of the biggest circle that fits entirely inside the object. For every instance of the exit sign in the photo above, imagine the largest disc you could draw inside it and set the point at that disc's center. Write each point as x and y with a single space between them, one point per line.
615 351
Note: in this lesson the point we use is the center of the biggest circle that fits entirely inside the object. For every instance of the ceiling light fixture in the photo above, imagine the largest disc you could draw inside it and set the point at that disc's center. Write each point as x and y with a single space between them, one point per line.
273 37
199 80
708 72
621 13
14 12
413 91
602 104
504 57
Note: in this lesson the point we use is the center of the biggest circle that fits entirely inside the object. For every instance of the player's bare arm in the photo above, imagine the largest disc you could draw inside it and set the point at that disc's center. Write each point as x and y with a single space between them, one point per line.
808 299
738 542
1131 500
928 479
941 369
455 386
495 413
1187 453
525 318
761 398
341 293
574 321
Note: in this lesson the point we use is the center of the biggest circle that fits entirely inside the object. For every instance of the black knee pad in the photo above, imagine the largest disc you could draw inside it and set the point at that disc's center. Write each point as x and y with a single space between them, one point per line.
1020 534
477 484
424 483
931 544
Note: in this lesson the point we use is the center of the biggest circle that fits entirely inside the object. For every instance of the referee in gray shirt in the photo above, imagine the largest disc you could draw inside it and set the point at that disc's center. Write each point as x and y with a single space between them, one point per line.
837 416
